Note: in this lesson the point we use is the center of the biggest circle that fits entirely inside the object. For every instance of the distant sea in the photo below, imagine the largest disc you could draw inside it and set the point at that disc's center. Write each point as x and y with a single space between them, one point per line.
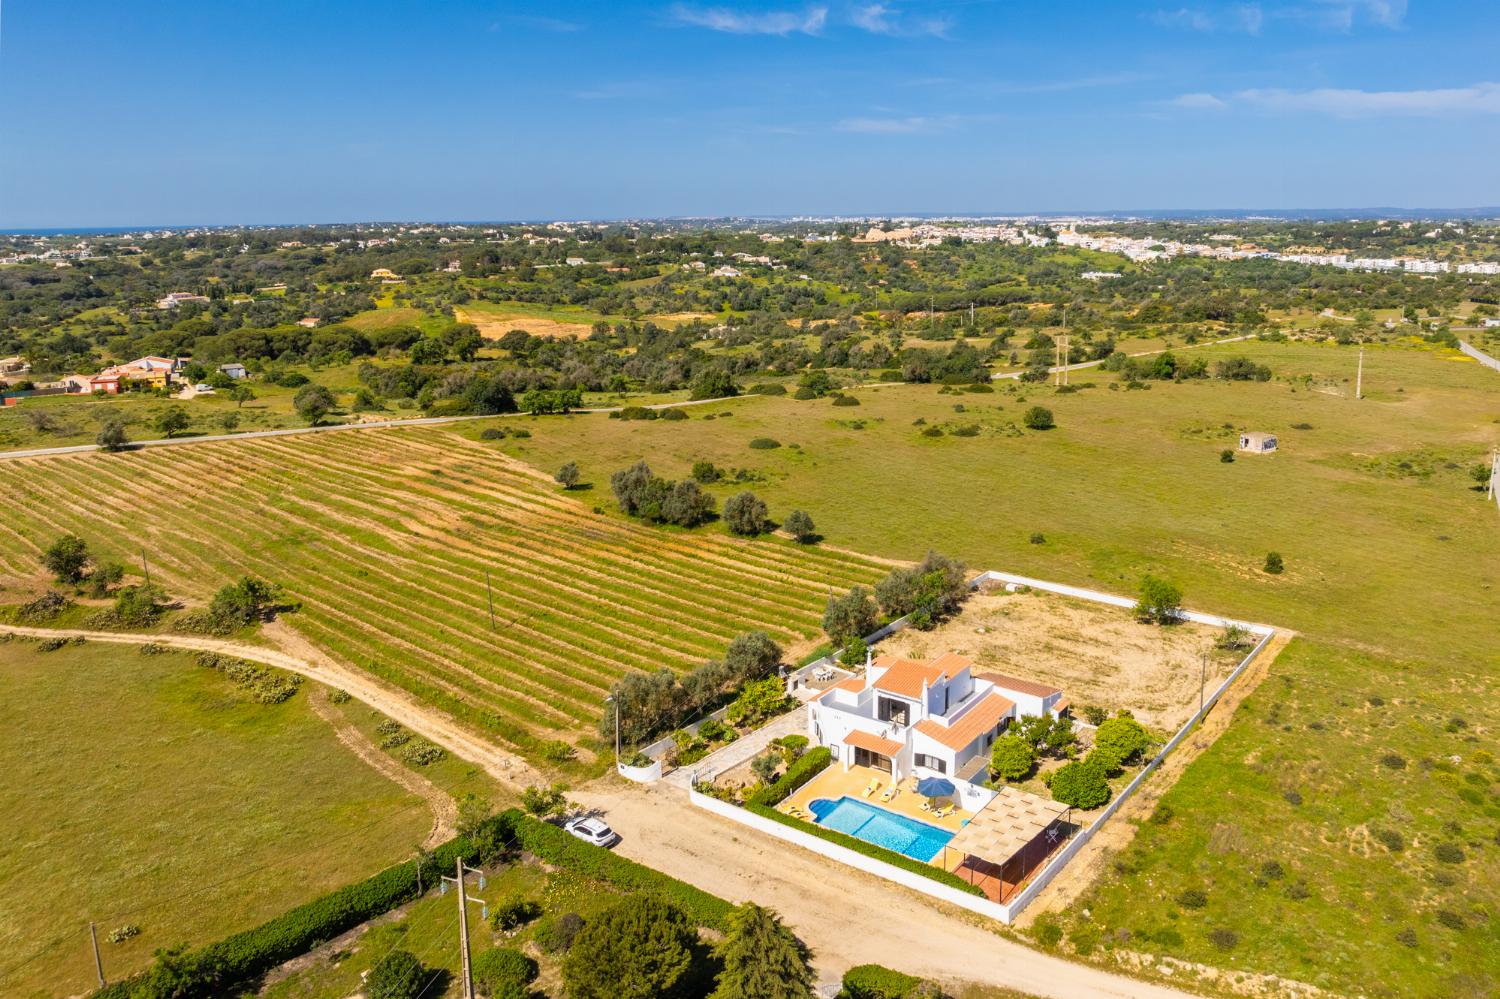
1152 214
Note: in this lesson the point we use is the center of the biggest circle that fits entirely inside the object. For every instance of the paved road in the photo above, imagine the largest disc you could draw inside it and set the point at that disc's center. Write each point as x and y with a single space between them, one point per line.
421 421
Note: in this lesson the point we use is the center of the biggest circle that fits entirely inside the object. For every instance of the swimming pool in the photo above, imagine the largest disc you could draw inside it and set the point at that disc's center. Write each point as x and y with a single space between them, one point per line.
891 830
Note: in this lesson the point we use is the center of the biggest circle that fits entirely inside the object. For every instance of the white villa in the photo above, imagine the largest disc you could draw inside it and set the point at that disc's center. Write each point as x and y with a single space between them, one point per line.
906 716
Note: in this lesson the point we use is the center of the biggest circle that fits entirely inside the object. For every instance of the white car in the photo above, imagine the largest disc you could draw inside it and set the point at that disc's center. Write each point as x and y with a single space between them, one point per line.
590 830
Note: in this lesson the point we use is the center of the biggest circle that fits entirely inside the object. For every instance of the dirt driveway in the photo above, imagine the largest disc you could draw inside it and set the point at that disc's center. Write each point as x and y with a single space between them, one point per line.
845 916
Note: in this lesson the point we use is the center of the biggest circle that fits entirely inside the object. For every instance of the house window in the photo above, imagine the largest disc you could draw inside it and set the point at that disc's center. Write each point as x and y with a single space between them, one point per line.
894 711
932 763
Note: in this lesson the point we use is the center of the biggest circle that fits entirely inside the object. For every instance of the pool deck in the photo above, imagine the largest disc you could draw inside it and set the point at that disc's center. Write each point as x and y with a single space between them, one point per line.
835 783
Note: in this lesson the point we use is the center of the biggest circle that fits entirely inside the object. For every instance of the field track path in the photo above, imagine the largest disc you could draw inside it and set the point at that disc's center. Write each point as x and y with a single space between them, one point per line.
305 660
444 811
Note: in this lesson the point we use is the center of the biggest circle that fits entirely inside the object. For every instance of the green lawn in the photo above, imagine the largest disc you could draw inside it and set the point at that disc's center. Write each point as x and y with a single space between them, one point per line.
1392 565
149 790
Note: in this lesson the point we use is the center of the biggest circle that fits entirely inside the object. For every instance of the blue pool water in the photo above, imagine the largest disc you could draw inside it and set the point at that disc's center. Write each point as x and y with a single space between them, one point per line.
860 819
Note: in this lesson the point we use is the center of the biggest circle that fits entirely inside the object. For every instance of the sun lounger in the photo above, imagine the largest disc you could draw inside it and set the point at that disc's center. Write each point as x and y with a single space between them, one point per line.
890 793
925 806
871 788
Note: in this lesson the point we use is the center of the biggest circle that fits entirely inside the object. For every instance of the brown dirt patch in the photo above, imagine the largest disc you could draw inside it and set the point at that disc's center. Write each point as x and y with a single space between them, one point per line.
1097 654
494 325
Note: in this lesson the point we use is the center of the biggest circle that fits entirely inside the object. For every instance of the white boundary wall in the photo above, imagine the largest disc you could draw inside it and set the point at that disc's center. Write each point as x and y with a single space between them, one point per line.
1479 355
1007 912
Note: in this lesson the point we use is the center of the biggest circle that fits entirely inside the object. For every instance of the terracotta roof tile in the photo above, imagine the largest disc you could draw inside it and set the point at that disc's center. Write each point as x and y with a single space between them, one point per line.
873 743
904 677
1019 685
978 720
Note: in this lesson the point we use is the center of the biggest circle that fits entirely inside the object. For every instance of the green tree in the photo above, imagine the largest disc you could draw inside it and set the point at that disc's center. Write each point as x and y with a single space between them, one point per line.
762 958
641 948
313 402
929 591
67 558
1012 758
504 973
850 616
397 975
138 606
713 383
545 802
1081 783
800 526
568 475
241 394
758 700
1039 418
1125 739
172 420
854 653
765 766
229 422
1159 601
240 603
746 514
1273 563
106 576
112 436
752 656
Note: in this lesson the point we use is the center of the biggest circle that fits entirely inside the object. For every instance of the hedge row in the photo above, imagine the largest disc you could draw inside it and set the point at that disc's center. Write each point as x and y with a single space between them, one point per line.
219 968
803 769
871 981
891 857
236 961
556 846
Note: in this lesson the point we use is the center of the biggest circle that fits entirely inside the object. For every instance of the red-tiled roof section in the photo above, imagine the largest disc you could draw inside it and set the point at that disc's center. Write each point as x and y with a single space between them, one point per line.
1019 685
975 722
905 677
848 683
874 743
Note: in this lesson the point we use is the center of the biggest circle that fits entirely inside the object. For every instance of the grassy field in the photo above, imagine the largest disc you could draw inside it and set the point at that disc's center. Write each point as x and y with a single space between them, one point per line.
386 537
149 790
1392 565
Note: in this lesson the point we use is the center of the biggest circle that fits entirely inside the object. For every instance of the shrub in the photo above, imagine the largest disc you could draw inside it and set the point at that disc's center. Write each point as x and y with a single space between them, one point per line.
422 753
1038 538
1450 919
1273 565
746 514
155 649
1297 891
51 644
641 948
397 975
395 740
850 616
800 526
122 933
765 444
757 701
1449 853
264 684
43 609
1012 758
567 476
768 388
871 981
1124 738
1407 937
1223 939
845 400
1094 714
1081 783
543 800
339 697
1047 932
492 434
554 934
1226 456
1390 839
1159 600
112 436
806 767
513 912
1393 761
706 472
1272 871
1038 418
1192 898
503 973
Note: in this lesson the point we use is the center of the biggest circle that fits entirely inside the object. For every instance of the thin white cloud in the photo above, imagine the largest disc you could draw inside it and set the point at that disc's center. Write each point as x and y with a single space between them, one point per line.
881 19
1198 102
773 22
619 90
1478 98
900 124
1250 18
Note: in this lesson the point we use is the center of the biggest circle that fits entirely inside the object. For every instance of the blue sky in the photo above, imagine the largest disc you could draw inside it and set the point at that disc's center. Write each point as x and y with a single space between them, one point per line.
186 112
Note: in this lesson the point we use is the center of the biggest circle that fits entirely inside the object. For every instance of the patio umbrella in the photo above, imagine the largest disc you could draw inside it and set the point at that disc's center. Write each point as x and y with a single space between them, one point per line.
935 787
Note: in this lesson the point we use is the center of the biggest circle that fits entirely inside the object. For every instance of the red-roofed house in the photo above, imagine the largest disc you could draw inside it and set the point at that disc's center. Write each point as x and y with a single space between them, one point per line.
910 716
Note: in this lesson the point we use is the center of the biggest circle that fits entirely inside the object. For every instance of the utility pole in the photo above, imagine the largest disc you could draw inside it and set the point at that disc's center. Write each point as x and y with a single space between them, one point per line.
616 699
1359 378
1202 679
145 566
490 592
98 964
463 920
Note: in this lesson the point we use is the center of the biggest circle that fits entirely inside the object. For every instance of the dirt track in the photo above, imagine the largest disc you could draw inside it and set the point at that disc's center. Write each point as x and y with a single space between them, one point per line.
426 721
